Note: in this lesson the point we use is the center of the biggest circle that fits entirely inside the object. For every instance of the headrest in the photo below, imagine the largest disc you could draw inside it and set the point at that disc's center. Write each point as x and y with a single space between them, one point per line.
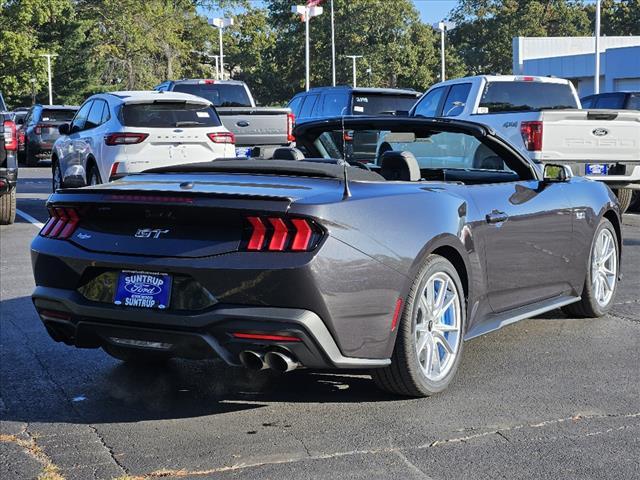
401 166
287 153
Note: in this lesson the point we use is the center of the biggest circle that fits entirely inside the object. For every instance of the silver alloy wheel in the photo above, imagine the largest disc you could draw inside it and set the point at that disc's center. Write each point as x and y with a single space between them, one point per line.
57 177
437 328
93 178
604 267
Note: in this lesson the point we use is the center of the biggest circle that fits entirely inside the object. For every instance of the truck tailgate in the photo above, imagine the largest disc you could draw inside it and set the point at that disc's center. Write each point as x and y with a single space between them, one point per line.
594 135
256 126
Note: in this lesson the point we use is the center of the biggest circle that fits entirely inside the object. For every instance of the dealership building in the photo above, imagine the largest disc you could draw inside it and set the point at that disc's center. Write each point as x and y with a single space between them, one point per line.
574 58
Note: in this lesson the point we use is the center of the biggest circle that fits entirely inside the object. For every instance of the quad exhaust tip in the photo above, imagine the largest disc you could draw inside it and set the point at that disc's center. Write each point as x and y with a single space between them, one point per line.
252 360
280 362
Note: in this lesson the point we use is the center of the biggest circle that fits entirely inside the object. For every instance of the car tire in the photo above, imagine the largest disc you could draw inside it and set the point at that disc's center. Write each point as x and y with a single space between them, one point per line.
136 355
93 175
8 207
56 176
624 197
420 334
592 303
30 159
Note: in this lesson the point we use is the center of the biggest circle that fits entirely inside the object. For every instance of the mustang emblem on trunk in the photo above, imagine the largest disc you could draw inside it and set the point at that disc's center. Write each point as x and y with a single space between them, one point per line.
150 233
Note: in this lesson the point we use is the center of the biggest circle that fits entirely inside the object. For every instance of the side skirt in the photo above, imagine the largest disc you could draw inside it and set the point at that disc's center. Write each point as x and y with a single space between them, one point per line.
499 320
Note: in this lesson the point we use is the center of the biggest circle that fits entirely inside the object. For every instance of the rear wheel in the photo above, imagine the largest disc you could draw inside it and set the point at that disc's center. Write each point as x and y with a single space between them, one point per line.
635 201
602 275
136 355
93 176
30 159
8 207
56 175
429 342
624 197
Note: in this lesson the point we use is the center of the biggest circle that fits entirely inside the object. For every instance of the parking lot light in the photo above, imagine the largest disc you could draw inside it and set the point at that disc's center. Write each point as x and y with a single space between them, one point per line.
354 58
442 27
221 24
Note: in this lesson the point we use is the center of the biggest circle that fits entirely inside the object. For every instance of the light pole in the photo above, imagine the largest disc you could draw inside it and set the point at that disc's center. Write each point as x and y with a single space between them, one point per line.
443 27
306 12
221 24
333 48
596 77
208 55
353 58
48 56
33 90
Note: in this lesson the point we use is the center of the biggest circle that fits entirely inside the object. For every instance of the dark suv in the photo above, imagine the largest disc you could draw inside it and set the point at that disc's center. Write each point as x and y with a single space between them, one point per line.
612 100
327 102
8 168
41 130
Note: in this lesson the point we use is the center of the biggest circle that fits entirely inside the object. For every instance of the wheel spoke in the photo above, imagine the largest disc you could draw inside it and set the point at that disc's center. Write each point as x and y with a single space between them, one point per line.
441 294
436 365
446 306
422 343
443 327
440 339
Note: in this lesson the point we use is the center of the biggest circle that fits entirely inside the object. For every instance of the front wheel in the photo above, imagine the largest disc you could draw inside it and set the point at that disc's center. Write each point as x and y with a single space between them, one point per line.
93 176
56 177
429 342
601 281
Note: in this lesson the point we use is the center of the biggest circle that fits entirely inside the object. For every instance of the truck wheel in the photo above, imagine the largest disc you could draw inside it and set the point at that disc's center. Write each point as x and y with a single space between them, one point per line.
30 159
8 208
624 197
429 342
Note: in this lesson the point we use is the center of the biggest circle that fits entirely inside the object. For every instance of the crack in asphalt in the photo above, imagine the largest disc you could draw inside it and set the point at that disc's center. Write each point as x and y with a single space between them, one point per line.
295 458
108 449
50 470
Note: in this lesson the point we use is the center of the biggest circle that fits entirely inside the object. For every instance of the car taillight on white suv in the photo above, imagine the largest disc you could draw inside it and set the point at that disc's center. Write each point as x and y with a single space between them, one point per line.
222 137
10 137
125 138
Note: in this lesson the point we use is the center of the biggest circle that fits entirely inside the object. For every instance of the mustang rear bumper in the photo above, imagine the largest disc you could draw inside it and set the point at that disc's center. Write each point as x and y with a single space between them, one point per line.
72 319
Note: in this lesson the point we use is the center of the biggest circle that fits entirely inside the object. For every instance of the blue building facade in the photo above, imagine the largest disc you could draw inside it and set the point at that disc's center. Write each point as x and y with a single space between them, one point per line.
574 58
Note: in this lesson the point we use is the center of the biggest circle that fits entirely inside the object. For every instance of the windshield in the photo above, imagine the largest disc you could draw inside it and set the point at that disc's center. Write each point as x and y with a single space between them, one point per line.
220 94
432 149
526 96
376 104
169 114
56 115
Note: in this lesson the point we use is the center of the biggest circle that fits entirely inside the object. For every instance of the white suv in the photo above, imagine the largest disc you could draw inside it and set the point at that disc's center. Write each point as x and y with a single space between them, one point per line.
117 133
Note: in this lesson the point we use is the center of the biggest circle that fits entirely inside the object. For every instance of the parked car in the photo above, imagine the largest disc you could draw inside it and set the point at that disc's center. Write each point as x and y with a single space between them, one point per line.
8 169
617 101
117 133
327 102
325 264
612 100
40 130
264 127
542 116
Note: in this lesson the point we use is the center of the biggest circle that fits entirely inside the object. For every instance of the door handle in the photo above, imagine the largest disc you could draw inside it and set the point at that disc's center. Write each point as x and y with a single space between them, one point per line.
496 217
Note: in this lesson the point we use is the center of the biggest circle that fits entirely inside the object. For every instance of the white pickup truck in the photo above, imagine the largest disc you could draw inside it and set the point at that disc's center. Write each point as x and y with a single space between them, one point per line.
543 117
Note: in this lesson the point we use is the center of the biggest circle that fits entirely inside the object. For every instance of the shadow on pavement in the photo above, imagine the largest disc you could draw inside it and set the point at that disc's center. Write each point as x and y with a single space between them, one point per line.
45 381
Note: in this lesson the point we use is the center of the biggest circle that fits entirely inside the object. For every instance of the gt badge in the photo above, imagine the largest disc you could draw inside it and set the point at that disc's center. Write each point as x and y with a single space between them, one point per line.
150 233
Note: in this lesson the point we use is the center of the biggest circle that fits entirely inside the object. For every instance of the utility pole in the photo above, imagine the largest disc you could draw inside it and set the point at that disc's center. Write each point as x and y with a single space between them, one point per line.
48 57
221 24
333 48
306 12
33 90
443 27
353 58
596 77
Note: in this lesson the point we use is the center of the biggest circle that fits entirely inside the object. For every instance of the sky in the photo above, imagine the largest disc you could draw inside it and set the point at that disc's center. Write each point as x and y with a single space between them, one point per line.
431 11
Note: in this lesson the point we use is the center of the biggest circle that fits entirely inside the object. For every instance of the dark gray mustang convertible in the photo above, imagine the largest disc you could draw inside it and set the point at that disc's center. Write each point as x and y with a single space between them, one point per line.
377 243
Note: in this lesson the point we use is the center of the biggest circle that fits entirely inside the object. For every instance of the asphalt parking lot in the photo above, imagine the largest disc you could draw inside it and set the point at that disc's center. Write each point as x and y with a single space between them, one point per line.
547 397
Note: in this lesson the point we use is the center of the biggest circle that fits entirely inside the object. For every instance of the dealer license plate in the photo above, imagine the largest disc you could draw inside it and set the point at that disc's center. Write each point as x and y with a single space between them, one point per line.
596 169
143 289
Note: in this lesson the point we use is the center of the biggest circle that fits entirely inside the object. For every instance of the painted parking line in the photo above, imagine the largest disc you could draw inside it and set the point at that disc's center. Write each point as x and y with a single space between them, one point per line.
30 219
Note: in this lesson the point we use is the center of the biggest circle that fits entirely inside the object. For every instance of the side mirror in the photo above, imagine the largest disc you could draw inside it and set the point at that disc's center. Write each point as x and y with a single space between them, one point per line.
64 129
556 173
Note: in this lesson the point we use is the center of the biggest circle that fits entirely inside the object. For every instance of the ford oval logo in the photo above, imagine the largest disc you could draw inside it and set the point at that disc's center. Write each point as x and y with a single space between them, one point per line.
178 130
242 123
142 288
600 132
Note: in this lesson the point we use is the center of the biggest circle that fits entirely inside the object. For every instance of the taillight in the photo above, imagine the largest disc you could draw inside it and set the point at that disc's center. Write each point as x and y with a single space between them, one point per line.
278 234
63 221
291 119
114 170
10 137
222 137
125 138
38 128
21 137
207 81
532 135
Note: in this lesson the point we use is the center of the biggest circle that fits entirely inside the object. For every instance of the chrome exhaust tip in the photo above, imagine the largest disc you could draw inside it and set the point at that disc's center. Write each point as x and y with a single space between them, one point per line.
252 360
280 362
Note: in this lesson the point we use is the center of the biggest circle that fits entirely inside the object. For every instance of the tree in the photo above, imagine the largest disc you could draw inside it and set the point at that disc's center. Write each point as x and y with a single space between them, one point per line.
485 28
